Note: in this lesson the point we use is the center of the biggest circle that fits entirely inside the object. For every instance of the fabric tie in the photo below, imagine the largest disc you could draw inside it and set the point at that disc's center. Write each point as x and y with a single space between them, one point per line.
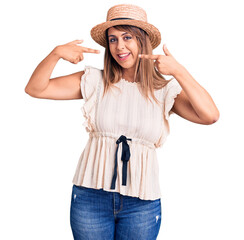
125 156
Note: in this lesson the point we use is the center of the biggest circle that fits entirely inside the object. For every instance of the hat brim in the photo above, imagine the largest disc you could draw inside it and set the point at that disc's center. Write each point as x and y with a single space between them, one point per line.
98 32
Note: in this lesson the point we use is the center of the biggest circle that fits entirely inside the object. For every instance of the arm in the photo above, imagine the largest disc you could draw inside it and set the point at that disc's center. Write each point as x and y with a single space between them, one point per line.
194 102
39 79
60 88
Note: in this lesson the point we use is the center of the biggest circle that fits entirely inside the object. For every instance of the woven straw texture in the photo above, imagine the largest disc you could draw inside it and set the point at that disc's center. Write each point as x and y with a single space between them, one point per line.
138 18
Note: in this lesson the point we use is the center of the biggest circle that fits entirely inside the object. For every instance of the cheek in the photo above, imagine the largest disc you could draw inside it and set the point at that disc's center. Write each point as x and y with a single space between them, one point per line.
135 48
112 51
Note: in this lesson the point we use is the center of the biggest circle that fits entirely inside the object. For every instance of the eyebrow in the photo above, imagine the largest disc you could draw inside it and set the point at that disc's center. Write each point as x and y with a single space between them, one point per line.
115 36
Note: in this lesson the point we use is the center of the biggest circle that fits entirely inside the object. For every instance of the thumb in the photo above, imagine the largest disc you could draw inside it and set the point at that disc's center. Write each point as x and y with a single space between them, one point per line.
166 51
77 41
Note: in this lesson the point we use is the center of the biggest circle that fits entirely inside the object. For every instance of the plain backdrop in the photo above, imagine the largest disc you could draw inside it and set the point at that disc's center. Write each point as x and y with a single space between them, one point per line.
201 166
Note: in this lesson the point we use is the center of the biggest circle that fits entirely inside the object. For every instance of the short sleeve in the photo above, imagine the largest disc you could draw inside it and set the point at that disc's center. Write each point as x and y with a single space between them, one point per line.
172 89
89 86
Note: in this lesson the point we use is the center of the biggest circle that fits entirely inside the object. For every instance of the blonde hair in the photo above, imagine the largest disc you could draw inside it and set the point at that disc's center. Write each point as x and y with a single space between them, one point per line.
145 73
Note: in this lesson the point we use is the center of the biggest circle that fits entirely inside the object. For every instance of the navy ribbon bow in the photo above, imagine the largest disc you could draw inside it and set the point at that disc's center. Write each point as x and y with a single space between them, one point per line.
125 156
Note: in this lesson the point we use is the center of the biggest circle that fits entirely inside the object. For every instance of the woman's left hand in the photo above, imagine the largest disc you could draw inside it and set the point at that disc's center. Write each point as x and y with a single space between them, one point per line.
166 64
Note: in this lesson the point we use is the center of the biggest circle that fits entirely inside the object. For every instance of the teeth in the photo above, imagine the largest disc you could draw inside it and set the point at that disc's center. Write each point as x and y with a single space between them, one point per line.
123 55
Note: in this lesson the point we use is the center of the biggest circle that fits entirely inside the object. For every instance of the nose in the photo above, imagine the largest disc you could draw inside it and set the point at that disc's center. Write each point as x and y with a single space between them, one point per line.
120 44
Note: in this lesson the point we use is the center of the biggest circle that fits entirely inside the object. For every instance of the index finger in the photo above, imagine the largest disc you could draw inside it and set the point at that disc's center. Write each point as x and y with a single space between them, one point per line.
90 50
149 56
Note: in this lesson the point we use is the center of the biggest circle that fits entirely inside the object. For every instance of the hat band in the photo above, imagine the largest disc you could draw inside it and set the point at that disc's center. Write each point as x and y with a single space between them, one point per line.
120 19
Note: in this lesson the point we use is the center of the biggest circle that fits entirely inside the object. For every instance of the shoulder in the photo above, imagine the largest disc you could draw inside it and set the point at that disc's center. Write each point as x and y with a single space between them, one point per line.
172 85
92 76
92 71
90 80
170 93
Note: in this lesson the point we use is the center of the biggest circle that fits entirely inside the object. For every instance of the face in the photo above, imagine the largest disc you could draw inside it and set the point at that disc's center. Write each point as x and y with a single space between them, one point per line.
123 48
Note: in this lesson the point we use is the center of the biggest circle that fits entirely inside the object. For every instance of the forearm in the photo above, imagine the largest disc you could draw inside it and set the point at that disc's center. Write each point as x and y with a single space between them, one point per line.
40 77
199 98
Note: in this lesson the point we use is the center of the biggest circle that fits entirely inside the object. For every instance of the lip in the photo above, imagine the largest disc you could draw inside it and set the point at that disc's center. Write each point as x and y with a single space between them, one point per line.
124 58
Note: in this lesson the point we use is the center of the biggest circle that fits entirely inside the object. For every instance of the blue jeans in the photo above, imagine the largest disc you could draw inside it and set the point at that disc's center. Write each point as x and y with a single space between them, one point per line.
96 214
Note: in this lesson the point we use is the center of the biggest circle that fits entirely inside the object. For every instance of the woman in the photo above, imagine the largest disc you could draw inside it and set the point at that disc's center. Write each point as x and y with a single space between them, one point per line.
114 199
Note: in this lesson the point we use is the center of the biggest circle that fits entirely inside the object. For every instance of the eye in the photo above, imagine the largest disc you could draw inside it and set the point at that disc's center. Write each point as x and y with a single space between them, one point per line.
112 40
128 37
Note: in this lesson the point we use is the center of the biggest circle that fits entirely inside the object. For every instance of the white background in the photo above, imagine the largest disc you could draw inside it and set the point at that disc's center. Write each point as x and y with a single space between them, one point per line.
201 166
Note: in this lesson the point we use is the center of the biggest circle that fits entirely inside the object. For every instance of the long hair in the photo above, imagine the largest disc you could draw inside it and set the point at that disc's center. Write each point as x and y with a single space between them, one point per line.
145 72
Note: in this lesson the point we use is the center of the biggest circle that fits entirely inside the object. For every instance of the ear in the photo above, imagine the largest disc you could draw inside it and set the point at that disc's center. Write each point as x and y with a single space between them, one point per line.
166 51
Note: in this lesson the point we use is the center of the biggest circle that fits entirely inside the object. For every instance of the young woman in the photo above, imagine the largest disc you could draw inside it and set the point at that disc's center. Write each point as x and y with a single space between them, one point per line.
128 102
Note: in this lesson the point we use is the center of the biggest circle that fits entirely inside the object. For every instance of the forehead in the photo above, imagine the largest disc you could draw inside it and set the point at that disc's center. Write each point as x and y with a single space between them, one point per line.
113 31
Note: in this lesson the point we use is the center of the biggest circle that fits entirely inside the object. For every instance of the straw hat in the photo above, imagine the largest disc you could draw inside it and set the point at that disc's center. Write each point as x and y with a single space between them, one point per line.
126 14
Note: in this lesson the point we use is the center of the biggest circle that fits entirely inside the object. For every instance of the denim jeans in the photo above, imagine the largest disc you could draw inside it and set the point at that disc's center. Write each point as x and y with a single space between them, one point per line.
96 214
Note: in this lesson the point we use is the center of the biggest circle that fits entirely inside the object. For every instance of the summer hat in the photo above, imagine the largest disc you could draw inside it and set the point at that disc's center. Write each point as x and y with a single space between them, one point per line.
126 14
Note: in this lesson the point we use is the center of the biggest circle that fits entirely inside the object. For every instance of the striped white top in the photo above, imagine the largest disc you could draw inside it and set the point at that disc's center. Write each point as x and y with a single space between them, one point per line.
127 113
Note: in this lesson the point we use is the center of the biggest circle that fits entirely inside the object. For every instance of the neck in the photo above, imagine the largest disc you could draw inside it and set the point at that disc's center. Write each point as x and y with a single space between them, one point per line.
128 74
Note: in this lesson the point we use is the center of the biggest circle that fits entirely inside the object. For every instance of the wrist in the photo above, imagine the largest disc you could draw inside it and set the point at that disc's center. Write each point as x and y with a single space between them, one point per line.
179 71
56 52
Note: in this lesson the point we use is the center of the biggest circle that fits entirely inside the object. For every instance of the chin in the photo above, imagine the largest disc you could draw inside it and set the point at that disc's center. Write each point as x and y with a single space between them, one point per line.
126 65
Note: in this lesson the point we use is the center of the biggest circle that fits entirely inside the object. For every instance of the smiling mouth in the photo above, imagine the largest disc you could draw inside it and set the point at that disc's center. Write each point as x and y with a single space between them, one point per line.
123 56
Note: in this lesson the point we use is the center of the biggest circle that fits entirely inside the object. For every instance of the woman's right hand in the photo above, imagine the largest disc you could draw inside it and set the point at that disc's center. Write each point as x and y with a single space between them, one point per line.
72 52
